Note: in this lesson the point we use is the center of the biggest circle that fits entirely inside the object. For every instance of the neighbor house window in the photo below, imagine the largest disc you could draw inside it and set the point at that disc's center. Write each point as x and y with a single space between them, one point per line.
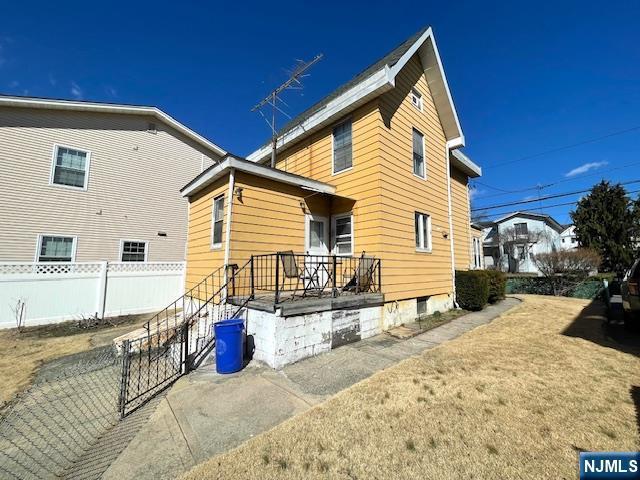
418 154
423 231
216 227
133 251
477 262
70 167
416 99
342 154
521 252
56 249
343 234
521 229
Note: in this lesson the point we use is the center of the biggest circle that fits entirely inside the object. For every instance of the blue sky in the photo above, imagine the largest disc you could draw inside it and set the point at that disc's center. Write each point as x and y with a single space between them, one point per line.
526 78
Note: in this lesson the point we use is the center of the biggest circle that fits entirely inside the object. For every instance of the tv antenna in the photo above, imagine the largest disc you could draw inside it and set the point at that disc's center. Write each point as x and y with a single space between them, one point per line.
294 82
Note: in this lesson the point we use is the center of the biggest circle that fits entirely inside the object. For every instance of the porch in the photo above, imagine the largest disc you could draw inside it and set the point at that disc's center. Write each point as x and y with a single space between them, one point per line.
296 283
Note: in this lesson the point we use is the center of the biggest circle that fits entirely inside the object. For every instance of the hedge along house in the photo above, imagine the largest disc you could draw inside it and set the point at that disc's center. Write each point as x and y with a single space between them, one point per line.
360 225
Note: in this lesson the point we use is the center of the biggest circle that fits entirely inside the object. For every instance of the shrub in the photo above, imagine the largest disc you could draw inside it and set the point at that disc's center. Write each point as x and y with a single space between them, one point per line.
588 289
497 284
472 289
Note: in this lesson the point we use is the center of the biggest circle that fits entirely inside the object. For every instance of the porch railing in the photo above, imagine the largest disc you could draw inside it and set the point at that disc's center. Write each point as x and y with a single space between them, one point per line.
287 276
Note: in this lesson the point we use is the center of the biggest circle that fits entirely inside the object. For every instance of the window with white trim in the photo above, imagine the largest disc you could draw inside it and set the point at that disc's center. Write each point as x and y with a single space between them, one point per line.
216 221
416 98
418 154
343 234
70 167
477 260
133 251
342 152
56 248
423 231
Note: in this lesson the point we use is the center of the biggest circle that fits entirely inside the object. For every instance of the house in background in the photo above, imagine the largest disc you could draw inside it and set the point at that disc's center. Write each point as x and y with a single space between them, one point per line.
511 242
87 181
360 225
568 238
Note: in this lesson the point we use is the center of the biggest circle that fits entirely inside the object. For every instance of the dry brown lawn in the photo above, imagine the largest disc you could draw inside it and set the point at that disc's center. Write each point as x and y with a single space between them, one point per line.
518 398
21 353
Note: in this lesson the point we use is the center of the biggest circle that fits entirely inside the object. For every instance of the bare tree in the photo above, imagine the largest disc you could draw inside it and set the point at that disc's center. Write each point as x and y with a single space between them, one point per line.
566 269
511 241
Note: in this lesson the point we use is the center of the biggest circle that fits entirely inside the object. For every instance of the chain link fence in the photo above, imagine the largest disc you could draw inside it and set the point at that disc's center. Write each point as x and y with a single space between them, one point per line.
47 430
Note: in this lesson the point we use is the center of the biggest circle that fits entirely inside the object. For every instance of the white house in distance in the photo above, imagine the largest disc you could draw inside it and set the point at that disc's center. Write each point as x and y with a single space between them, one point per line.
87 181
511 242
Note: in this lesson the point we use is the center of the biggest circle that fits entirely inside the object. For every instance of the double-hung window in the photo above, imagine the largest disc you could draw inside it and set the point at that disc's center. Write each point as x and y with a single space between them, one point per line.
56 249
70 167
133 251
521 229
216 221
342 152
423 231
343 234
418 154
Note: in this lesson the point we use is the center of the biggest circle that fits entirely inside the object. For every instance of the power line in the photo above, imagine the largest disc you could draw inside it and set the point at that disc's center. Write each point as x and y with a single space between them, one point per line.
548 197
548 185
565 147
546 207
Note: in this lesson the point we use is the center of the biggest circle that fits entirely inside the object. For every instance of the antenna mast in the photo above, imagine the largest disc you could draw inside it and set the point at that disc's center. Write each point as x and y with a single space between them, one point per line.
293 83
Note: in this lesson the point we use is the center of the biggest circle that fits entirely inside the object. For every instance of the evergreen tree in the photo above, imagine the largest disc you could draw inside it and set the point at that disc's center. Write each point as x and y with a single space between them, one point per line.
604 221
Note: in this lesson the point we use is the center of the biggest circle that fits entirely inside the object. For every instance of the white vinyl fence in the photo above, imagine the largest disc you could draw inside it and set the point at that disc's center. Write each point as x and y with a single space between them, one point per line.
55 292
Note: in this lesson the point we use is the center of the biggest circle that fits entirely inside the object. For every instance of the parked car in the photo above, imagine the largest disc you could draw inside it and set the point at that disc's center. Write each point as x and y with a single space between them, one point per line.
630 290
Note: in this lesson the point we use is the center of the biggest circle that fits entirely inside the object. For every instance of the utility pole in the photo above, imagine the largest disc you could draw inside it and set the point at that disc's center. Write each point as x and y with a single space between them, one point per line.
292 83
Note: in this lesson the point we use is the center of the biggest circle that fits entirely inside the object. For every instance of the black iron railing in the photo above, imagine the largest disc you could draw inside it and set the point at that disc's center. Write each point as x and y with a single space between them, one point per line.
288 275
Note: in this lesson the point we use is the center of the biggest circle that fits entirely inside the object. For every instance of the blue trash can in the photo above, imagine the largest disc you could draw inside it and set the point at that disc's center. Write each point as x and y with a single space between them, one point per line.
229 345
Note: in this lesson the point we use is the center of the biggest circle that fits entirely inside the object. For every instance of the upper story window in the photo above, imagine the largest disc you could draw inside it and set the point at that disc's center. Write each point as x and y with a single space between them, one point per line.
418 154
53 248
521 229
343 234
216 221
70 167
416 99
133 251
423 231
342 152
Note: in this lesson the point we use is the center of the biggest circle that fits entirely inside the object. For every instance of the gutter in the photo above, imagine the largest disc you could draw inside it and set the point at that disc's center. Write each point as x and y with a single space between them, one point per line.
227 242
450 214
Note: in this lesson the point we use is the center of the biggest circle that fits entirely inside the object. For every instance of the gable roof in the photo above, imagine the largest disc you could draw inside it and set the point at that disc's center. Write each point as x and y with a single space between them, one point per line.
534 216
78 105
370 83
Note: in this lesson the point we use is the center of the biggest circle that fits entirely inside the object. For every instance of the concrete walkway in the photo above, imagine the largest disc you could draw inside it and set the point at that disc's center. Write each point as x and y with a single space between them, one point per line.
205 413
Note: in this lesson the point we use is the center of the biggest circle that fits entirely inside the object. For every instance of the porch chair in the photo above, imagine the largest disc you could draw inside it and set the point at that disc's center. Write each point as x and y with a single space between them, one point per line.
291 270
363 275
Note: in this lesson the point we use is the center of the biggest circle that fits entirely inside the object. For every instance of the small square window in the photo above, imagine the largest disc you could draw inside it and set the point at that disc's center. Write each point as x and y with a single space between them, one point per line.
421 304
70 167
216 220
416 99
521 229
133 251
56 249
423 231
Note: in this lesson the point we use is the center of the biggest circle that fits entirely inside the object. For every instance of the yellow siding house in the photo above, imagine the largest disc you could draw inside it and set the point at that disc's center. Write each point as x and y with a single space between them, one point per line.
367 205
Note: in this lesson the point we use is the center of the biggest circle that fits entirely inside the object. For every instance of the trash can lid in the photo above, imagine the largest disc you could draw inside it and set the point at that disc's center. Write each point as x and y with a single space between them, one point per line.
230 322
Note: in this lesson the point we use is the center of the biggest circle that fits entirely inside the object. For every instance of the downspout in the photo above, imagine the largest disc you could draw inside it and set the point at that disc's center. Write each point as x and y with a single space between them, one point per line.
450 214
227 242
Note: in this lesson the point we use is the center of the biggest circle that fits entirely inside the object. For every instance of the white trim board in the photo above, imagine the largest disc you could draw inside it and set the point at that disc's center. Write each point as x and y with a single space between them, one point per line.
217 171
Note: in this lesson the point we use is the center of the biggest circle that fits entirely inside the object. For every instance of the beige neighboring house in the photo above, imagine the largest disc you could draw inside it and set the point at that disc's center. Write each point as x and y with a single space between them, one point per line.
85 181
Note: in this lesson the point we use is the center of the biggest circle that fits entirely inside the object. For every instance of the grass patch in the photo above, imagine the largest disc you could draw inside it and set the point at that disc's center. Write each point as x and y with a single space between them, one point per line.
532 384
23 352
